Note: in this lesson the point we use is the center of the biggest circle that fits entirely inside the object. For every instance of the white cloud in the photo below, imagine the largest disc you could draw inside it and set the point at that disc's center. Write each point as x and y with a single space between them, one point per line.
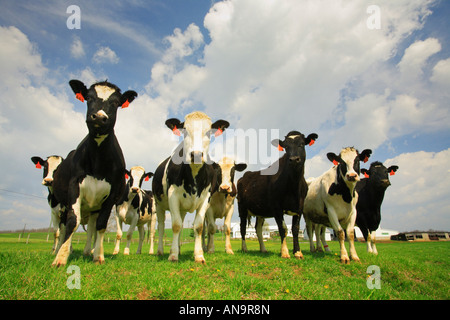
77 49
34 120
441 75
418 195
416 56
105 55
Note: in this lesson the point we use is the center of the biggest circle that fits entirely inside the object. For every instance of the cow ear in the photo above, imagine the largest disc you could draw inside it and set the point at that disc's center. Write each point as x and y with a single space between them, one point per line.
174 124
365 172
79 89
38 161
364 156
392 170
127 97
310 139
334 158
148 175
240 167
220 126
278 143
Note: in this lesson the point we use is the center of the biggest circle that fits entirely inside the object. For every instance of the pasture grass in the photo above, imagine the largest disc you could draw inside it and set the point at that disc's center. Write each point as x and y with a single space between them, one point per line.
408 271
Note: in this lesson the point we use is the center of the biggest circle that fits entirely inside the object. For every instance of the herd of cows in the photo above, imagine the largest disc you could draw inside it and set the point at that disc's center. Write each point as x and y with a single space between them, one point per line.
86 185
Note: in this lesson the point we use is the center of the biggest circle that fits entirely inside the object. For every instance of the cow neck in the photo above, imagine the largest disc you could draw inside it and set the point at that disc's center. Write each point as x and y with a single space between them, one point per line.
292 173
376 194
99 139
340 187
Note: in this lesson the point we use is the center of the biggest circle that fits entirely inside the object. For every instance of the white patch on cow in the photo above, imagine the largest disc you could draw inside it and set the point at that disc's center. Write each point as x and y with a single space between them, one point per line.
102 113
100 138
137 173
226 164
94 192
349 155
197 124
294 136
52 163
104 92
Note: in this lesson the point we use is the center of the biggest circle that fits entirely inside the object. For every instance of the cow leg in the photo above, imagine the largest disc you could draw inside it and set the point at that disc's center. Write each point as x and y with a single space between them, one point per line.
161 215
243 214
141 238
373 239
102 221
259 226
72 222
340 233
55 222
90 232
151 230
211 231
322 238
317 233
131 229
198 229
118 233
177 223
295 231
283 233
227 227
309 231
351 236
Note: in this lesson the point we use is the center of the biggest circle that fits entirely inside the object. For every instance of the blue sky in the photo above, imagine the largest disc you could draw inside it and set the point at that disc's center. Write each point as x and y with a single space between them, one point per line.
311 66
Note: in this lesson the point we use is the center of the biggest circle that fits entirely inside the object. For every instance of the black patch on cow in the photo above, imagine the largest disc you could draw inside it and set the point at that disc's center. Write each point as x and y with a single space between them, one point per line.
340 188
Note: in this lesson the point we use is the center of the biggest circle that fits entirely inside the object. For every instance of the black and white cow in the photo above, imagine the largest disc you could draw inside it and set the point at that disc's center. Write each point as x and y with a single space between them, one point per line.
331 199
281 192
135 208
221 204
91 179
182 183
49 165
371 191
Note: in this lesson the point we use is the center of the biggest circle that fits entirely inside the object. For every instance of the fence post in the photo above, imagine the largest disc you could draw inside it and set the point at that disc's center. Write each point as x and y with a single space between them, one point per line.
28 237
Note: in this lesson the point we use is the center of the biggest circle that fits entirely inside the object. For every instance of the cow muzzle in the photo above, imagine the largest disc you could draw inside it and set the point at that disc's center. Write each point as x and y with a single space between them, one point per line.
225 188
196 157
99 119
47 182
352 177
135 189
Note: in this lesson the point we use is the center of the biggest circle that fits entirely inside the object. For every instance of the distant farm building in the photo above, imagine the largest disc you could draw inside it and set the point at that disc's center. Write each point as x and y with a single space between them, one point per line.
422 236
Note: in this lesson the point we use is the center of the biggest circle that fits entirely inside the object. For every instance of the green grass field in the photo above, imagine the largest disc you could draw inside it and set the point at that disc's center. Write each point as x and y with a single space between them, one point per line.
407 270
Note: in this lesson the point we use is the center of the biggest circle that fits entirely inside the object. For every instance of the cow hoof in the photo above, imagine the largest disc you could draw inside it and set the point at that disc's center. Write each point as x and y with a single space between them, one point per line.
285 256
356 259
173 258
230 251
345 260
298 255
200 259
126 251
99 261
115 252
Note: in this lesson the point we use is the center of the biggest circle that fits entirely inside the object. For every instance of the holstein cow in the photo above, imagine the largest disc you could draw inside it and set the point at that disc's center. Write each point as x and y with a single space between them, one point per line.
136 208
370 196
265 194
50 166
331 199
91 179
183 182
221 204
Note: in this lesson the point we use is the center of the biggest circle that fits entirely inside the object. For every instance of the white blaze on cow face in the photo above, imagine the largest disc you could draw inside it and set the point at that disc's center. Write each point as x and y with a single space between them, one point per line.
196 139
137 174
226 165
52 163
350 157
104 92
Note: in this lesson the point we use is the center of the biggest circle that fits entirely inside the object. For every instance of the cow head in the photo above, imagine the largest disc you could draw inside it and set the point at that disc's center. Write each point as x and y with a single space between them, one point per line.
49 166
294 144
137 175
103 99
197 130
226 168
379 174
347 162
